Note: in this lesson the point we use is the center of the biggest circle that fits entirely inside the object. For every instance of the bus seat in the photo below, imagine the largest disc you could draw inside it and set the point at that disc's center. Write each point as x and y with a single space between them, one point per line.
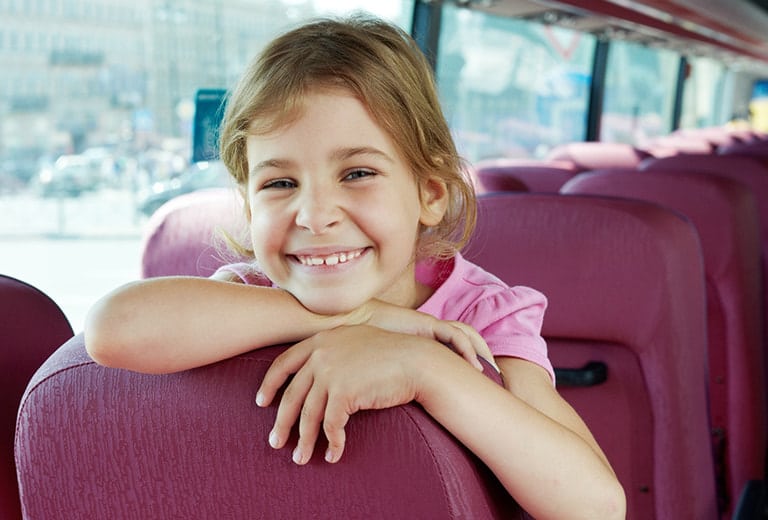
725 215
675 144
95 442
591 155
625 285
183 236
757 150
32 326
714 135
743 169
537 176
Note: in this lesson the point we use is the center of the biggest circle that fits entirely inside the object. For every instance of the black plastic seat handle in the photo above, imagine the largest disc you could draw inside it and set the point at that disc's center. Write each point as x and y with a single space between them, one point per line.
591 374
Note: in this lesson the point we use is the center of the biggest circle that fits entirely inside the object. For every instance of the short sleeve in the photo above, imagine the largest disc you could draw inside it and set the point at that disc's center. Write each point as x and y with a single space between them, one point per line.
510 321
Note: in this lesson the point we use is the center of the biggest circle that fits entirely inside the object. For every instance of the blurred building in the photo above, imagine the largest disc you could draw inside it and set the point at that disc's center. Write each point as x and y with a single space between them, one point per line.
80 73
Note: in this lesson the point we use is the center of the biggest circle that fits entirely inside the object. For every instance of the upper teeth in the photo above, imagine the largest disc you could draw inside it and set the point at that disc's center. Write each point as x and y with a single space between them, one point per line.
336 258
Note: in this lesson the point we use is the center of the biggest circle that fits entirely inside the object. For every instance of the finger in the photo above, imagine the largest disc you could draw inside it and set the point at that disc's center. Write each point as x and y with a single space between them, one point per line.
466 349
283 366
481 347
447 332
289 408
478 343
312 413
336 418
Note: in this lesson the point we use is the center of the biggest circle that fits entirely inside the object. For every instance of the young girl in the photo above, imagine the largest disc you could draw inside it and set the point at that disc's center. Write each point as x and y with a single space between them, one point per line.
357 208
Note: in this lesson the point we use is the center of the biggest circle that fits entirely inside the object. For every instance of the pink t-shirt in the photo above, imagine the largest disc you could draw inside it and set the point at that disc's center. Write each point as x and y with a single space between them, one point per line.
508 318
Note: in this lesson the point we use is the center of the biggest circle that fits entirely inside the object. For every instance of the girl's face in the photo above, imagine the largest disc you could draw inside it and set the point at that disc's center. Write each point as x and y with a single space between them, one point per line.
335 210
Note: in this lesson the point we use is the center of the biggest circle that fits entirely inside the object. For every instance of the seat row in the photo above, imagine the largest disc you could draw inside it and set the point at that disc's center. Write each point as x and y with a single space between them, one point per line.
93 442
723 195
634 287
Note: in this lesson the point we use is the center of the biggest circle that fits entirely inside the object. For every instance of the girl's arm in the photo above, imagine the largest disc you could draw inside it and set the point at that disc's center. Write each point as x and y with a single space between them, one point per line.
169 324
533 442
163 325
530 437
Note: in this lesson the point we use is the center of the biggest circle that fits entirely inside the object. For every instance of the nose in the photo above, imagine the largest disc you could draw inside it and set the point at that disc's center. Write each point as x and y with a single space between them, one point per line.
318 210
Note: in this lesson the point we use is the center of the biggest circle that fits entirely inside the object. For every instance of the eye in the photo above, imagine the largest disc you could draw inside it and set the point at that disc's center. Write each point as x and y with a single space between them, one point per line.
359 173
279 184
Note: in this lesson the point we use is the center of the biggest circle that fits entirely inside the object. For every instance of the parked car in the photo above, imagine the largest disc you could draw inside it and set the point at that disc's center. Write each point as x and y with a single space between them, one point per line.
69 176
201 175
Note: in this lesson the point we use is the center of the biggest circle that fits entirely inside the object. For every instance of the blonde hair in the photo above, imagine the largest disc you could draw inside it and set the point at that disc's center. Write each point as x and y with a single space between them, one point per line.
383 67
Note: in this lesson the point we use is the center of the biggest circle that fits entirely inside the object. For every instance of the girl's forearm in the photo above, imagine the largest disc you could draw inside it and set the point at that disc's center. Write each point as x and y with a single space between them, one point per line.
549 469
169 324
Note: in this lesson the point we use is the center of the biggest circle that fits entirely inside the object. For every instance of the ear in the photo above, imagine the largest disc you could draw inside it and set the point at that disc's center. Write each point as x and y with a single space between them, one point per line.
434 201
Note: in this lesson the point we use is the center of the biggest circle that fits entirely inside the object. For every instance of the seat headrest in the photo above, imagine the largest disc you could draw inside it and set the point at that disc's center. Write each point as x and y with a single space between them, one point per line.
624 251
115 443
184 236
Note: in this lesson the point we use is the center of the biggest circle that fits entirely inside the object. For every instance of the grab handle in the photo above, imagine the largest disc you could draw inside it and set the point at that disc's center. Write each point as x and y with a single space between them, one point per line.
591 374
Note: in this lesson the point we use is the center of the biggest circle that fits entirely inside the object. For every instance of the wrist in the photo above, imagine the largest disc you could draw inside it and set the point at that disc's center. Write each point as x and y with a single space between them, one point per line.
430 366
361 315
306 322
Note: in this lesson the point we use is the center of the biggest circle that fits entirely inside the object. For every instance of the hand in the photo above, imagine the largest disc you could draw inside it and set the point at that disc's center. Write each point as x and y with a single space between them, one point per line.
338 373
464 339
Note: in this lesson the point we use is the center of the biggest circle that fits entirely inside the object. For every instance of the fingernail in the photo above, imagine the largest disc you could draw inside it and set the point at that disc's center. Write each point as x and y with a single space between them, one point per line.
259 399
297 457
329 456
273 440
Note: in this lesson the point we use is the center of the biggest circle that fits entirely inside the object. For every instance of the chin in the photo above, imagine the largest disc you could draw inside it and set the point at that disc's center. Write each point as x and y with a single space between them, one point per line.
330 305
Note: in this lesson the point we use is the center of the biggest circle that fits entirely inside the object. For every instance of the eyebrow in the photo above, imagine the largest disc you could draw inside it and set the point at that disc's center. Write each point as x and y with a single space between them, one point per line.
347 153
339 154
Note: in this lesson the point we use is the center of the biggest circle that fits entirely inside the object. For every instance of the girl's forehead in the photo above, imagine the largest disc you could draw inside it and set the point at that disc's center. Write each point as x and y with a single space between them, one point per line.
324 117
291 107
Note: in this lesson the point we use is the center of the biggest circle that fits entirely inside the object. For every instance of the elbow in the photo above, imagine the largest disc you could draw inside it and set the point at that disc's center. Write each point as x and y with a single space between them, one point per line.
101 343
106 336
612 502
605 501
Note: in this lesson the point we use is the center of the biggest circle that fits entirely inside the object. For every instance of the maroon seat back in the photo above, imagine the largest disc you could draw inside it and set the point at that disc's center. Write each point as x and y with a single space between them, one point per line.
625 285
591 155
675 144
32 326
725 215
746 170
715 135
94 442
184 236
757 150
536 176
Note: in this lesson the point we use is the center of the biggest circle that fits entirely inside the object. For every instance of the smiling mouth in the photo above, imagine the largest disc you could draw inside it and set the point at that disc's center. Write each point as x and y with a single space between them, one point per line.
330 260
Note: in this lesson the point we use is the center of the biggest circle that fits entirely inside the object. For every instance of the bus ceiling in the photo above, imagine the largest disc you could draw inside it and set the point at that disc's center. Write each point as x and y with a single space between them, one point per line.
724 29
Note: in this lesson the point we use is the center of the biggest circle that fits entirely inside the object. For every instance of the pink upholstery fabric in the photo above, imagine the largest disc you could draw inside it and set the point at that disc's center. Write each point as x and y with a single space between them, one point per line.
714 135
184 236
756 150
594 155
534 176
96 443
625 285
725 215
32 326
743 169
669 145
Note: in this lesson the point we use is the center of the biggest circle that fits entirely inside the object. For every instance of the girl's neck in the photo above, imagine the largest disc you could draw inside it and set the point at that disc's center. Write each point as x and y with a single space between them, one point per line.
422 294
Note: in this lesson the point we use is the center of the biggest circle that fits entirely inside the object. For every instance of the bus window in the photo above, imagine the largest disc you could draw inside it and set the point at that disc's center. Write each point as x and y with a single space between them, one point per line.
758 106
96 119
703 95
511 87
639 93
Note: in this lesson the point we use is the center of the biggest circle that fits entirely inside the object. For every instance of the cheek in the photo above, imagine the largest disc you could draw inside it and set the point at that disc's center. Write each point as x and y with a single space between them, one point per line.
399 225
266 233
